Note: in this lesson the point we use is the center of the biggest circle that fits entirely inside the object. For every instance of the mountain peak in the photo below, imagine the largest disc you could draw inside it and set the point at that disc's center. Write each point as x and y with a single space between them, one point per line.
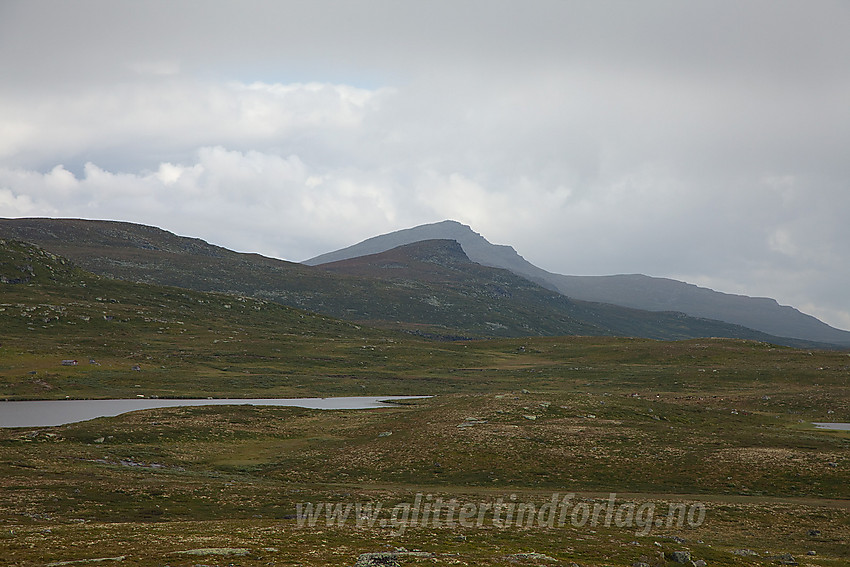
451 225
417 256
477 248
443 230
436 251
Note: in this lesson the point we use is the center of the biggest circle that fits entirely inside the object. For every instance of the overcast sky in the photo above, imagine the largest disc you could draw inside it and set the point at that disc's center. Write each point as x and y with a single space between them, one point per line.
708 141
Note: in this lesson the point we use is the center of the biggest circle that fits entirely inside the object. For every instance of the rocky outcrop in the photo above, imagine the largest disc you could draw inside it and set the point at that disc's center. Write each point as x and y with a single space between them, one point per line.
388 558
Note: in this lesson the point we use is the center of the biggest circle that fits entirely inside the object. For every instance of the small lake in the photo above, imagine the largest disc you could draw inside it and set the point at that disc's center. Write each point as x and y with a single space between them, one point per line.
48 413
834 426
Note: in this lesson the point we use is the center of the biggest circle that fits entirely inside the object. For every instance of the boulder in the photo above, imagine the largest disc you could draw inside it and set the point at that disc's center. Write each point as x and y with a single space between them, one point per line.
385 558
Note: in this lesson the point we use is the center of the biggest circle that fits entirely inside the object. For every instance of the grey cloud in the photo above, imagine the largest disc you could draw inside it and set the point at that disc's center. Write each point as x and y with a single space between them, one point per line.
780 39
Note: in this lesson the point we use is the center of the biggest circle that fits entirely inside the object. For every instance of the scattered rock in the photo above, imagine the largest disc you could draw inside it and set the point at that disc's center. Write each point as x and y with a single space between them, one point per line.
385 433
388 558
80 561
746 552
699 563
811 552
681 557
531 417
814 533
222 551
785 559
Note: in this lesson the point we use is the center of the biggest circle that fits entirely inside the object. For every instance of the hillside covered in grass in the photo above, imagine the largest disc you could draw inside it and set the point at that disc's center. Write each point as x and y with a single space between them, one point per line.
184 342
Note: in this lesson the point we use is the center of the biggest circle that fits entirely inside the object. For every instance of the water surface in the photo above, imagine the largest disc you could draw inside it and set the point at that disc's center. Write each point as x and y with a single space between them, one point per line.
47 413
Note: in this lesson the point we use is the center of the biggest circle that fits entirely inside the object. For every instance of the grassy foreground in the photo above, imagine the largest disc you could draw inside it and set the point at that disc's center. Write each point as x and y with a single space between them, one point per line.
721 423
719 428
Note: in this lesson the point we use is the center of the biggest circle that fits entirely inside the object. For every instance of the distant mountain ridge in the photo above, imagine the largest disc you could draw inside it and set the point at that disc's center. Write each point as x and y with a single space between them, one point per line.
429 287
511 302
633 290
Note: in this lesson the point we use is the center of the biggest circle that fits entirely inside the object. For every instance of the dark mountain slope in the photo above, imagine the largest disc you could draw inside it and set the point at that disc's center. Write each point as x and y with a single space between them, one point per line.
438 286
476 247
140 253
636 291
513 303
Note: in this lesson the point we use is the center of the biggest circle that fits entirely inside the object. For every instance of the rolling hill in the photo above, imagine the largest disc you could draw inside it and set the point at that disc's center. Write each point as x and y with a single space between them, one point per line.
179 342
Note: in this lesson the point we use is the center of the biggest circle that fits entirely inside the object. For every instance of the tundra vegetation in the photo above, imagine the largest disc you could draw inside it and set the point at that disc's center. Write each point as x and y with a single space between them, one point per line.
724 423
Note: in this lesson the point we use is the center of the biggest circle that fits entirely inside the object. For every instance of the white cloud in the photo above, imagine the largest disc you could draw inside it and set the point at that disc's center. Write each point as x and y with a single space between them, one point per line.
249 200
17 205
134 125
